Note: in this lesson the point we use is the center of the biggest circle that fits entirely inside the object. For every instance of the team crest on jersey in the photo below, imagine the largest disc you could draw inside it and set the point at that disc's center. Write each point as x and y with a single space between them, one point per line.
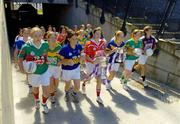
70 54
32 53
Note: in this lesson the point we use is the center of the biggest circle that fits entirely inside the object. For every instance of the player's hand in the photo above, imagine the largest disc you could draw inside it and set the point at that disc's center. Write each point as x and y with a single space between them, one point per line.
130 51
70 62
114 50
143 52
97 60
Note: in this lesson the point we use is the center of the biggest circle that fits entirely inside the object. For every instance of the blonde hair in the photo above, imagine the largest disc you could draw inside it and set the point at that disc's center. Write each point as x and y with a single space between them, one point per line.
118 33
134 32
80 31
50 33
25 29
34 30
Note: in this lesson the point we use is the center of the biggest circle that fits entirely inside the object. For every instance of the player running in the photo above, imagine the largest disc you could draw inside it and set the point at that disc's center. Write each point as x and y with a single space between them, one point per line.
116 56
70 59
93 49
133 47
34 55
53 61
149 45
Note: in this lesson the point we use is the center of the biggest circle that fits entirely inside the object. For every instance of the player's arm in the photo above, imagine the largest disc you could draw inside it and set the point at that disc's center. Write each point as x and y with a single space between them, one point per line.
21 57
15 52
129 50
109 51
154 47
65 61
15 55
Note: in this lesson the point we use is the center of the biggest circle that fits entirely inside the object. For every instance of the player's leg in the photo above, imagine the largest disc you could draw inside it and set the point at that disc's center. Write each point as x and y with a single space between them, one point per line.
98 89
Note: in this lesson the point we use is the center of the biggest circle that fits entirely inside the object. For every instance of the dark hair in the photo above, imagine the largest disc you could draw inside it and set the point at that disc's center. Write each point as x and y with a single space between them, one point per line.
70 33
62 27
94 31
97 29
49 26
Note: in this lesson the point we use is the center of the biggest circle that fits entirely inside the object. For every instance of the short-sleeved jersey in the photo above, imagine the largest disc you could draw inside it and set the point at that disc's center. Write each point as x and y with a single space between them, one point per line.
132 44
148 43
111 45
61 38
91 48
18 44
69 53
53 55
30 52
18 37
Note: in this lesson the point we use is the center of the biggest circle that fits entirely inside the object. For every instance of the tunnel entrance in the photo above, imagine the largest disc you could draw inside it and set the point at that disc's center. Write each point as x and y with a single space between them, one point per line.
26 16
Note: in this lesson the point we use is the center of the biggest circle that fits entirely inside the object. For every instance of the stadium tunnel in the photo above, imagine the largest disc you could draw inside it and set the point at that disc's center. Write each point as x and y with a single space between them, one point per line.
20 13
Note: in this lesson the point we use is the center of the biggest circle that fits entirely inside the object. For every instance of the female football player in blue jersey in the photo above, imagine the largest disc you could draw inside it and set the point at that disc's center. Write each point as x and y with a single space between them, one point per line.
116 56
70 59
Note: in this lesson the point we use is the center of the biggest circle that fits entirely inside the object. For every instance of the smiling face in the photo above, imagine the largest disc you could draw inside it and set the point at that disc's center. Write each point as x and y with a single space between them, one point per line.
25 33
36 34
136 34
119 37
51 37
148 32
73 39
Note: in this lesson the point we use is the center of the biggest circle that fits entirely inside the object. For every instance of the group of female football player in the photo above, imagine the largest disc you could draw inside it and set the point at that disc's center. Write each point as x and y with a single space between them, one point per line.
47 56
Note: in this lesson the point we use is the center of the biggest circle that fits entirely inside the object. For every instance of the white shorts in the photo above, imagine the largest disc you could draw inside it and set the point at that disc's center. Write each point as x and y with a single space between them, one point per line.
36 79
68 75
143 59
128 65
54 71
113 67
90 68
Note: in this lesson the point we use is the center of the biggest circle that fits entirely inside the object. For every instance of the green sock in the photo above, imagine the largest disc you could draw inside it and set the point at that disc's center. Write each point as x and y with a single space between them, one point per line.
122 77
125 81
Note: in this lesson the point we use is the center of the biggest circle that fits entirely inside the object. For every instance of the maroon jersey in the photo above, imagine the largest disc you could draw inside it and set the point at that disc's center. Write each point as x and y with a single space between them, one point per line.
148 42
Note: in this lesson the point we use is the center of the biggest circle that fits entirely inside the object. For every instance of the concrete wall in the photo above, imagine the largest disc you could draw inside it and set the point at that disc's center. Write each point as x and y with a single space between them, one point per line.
6 91
165 67
72 15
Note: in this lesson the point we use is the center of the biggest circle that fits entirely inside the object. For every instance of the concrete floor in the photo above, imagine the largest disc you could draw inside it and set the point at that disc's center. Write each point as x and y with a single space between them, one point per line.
137 106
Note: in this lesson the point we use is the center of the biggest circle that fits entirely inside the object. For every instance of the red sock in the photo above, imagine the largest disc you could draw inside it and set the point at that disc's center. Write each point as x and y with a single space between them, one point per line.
44 99
98 92
36 96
